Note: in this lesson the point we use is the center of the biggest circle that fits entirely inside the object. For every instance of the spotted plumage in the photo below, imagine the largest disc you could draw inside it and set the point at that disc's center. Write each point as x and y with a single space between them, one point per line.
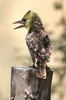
38 42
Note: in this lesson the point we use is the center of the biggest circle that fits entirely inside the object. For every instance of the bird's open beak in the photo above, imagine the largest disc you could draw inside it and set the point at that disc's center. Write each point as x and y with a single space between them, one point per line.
19 22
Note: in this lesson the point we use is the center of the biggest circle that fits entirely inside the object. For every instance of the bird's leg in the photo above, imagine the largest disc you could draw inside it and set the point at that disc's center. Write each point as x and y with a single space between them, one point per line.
33 66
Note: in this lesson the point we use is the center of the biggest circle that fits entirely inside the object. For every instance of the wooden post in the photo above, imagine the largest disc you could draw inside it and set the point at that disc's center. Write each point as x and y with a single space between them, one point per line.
25 85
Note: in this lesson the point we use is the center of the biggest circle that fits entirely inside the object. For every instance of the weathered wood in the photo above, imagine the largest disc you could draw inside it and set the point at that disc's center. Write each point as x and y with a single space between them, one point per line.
25 85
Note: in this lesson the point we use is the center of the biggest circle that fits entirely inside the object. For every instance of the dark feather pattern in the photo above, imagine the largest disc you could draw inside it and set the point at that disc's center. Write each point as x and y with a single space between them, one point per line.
37 40
39 46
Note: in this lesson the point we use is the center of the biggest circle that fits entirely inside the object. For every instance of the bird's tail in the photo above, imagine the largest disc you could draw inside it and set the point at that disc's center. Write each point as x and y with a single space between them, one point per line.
41 72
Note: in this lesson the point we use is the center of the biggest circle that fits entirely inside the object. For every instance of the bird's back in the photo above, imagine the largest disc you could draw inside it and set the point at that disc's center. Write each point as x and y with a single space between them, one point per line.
39 43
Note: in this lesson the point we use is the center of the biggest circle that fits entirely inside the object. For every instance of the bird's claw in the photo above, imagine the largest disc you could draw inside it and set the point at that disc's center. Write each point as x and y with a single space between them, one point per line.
33 66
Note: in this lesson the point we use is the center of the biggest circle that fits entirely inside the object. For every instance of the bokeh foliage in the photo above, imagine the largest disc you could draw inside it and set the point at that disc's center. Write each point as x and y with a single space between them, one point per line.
60 45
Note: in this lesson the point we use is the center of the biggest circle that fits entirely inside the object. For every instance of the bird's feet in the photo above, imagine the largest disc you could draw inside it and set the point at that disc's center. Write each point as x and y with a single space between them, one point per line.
33 66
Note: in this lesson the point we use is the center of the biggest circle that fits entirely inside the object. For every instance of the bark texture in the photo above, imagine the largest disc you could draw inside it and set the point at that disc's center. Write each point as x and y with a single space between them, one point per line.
25 85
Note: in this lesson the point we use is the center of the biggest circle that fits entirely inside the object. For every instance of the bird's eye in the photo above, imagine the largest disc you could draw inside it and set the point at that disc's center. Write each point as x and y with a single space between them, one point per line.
24 19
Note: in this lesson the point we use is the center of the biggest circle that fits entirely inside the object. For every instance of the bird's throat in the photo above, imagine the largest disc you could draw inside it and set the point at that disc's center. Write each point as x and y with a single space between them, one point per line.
28 28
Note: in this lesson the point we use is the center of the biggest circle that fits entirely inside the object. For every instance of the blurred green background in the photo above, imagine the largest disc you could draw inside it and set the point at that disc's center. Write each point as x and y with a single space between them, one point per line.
13 49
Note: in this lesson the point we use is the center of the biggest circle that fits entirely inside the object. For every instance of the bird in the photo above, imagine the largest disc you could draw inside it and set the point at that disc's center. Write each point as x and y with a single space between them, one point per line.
37 40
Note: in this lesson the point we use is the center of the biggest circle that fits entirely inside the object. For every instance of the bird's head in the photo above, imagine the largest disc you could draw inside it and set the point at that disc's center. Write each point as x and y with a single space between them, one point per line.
27 21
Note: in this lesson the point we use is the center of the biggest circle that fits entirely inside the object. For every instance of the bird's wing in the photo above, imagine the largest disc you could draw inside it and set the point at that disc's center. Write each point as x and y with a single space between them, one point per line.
46 46
40 45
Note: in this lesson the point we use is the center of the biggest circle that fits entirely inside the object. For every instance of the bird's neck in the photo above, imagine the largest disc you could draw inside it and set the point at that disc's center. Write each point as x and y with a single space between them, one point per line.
36 28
